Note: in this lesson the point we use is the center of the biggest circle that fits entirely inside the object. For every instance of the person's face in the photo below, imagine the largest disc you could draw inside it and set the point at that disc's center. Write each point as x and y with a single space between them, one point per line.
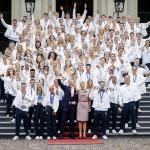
90 84
32 73
70 83
114 79
134 70
136 62
81 66
88 68
45 16
127 80
67 16
32 83
11 45
14 23
102 85
17 74
39 58
23 87
51 89
78 16
11 72
56 83
82 85
102 61
113 57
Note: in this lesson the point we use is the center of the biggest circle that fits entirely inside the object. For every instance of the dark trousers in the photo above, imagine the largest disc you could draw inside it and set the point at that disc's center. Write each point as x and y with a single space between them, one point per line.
19 116
128 111
9 101
137 105
31 112
64 116
38 119
100 116
91 117
113 110
51 122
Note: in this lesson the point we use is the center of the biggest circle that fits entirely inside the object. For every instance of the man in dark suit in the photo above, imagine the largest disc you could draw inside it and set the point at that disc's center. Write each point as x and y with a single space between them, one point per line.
68 106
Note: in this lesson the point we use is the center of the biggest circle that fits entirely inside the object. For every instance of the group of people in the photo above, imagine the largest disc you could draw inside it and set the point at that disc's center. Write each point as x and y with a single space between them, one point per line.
78 69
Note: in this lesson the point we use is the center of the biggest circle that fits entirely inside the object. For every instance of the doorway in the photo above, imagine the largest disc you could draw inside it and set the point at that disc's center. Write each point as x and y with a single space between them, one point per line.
5 9
68 6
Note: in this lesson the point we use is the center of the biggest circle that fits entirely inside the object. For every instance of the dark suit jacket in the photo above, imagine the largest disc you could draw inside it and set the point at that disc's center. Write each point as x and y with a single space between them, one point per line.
65 102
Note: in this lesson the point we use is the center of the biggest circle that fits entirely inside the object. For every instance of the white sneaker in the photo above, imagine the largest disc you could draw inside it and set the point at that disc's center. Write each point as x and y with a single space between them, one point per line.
139 110
105 137
54 137
94 137
75 121
114 131
134 131
58 131
48 138
107 131
126 125
56 121
89 131
121 131
37 138
28 137
137 125
16 137
12 121
41 137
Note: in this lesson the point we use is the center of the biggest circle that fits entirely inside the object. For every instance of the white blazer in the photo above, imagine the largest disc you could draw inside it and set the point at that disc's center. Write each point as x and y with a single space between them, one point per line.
46 102
18 102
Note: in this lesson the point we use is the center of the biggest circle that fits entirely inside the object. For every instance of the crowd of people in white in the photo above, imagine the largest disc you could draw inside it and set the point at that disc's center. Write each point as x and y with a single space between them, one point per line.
74 68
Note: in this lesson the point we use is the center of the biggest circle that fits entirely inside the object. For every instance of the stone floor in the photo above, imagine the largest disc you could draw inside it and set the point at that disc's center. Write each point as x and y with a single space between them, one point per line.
114 143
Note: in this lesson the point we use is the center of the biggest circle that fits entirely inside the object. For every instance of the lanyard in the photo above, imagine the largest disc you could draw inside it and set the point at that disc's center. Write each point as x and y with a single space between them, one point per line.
88 76
101 93
40 98
134 78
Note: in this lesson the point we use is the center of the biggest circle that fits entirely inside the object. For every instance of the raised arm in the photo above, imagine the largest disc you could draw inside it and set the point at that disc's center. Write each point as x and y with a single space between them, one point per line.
62 12
63 87
3 21
74 11
85 12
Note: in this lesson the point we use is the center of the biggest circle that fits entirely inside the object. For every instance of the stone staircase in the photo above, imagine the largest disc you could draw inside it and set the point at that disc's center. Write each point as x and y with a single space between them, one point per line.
7 129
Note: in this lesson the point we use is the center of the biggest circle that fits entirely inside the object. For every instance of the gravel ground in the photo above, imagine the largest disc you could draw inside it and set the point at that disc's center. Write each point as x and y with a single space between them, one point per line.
114 143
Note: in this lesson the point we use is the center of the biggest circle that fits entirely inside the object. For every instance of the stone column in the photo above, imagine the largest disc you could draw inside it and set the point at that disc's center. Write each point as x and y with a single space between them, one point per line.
132 8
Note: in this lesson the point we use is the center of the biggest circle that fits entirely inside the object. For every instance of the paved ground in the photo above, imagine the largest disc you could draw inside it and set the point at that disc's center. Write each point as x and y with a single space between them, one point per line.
114 143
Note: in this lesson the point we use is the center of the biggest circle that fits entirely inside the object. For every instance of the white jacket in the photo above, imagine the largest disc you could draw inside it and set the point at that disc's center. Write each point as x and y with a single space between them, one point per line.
46 102
27 101
98 103
128 94
10 33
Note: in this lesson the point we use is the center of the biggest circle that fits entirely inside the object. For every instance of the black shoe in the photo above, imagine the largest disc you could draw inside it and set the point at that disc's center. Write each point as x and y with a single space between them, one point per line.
71 136
60 136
